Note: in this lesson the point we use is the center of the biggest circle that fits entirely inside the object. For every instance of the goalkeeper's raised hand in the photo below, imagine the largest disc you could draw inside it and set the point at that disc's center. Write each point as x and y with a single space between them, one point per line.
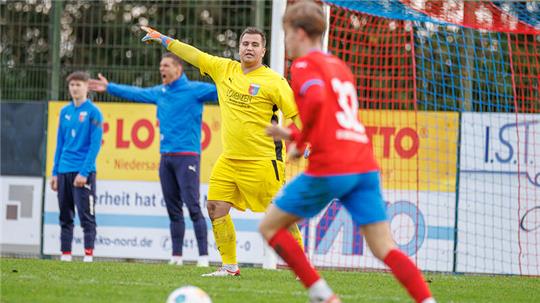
153 35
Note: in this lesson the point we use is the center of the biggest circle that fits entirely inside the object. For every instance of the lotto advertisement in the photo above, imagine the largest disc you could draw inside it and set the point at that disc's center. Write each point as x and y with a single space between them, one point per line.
130 210
130 146
417 153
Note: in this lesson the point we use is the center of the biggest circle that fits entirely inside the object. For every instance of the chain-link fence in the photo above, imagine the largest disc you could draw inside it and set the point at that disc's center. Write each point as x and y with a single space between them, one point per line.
42 41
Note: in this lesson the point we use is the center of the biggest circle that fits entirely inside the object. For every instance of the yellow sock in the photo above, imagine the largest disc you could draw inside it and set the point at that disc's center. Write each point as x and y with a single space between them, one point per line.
225 236
297 235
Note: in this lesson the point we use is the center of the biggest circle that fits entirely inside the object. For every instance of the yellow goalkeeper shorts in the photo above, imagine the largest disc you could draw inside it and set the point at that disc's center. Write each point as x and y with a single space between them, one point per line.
246 184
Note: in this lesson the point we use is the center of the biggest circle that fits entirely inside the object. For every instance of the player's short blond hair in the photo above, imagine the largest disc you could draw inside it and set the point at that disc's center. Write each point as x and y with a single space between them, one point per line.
308 16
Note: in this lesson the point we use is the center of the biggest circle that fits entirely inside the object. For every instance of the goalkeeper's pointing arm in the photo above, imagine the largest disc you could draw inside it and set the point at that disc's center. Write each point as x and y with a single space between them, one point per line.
185 51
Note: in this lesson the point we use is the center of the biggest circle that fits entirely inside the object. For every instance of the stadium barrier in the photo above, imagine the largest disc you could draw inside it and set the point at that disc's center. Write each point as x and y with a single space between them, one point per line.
21 179
421 200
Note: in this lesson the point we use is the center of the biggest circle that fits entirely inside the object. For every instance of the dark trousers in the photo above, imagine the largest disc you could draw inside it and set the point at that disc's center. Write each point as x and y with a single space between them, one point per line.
83 198
179 177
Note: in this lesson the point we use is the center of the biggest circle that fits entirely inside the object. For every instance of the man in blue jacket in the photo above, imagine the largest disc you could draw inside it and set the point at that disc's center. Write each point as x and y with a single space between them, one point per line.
74 170
179 110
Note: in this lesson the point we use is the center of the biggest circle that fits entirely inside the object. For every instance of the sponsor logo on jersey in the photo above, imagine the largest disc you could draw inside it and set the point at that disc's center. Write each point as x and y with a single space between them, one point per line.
239 99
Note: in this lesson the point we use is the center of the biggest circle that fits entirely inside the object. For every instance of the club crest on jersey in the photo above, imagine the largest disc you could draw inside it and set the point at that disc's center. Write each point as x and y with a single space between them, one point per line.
254 89
82 115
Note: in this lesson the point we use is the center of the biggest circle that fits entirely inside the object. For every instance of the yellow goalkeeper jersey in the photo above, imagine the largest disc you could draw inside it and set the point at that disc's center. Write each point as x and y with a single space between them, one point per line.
247 103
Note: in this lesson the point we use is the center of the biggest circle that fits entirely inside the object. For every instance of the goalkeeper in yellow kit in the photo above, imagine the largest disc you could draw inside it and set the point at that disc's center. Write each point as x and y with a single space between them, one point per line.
251 169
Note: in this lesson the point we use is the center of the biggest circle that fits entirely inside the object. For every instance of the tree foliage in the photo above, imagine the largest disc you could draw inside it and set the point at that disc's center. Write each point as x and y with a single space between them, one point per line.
104 36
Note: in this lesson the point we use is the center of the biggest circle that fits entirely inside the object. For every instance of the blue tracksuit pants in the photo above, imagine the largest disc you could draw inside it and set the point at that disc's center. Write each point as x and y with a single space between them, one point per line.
83 198
179 177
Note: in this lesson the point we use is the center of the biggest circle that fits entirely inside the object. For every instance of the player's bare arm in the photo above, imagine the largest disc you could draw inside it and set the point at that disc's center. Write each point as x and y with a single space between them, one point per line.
278 132
283 133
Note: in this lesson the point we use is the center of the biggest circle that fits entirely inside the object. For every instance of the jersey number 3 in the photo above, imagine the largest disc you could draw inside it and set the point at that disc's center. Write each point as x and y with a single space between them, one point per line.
347 100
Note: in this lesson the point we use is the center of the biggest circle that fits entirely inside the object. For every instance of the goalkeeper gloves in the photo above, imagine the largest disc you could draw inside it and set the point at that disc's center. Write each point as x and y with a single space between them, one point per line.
153 35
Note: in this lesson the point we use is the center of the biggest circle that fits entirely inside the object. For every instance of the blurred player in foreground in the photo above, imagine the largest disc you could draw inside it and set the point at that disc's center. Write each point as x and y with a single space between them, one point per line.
251 169
341 163
74 171
179 104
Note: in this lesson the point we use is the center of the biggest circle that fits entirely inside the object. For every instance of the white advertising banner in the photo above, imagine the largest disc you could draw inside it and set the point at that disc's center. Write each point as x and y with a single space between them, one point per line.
422 224
20 210
499 194
132 222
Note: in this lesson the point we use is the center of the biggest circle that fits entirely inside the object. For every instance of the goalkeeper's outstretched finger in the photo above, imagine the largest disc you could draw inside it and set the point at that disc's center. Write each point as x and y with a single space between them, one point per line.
153 35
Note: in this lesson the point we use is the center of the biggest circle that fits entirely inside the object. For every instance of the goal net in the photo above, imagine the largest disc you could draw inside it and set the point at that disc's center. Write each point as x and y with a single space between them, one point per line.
449 94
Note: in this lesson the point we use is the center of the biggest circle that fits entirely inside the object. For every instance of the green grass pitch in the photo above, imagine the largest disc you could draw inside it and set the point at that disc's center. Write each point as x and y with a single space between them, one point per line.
32 280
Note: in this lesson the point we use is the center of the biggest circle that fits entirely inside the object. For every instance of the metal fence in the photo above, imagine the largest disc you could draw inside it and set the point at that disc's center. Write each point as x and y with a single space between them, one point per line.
42 41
